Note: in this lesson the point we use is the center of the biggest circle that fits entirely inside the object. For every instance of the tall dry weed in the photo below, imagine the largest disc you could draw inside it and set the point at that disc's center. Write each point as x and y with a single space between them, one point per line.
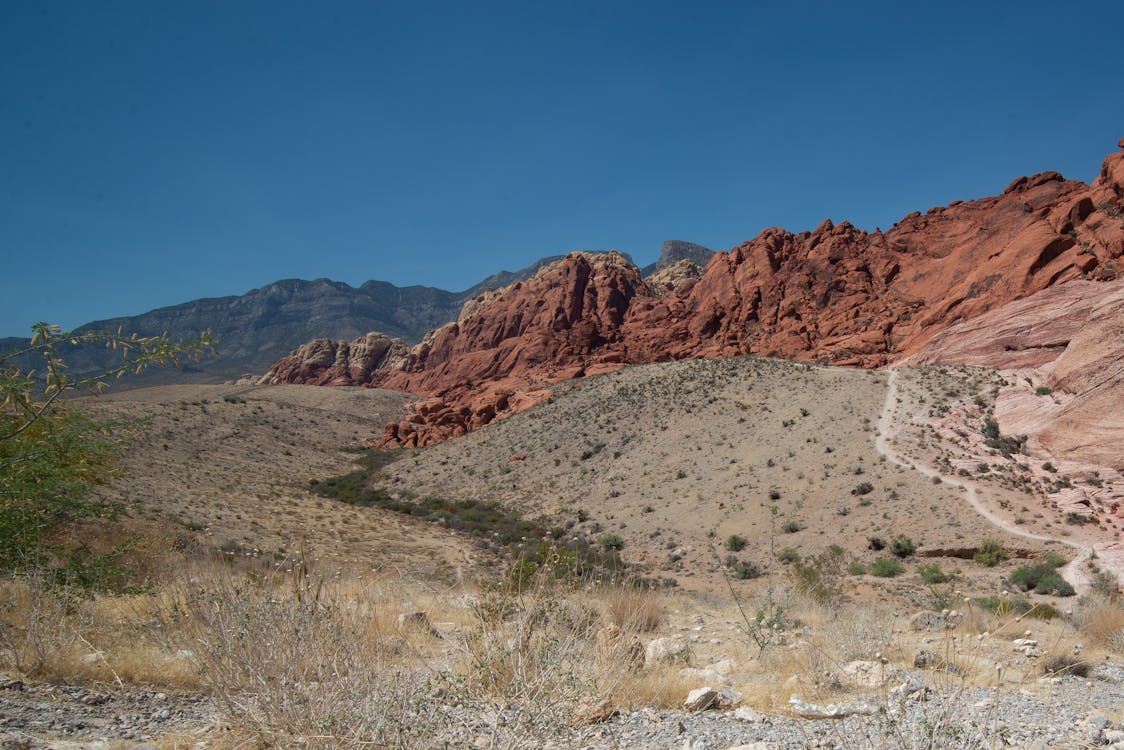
1101 619
302 662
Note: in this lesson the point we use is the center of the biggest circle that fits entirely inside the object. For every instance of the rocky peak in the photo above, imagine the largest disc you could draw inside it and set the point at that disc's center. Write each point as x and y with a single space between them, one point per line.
673 277
674 251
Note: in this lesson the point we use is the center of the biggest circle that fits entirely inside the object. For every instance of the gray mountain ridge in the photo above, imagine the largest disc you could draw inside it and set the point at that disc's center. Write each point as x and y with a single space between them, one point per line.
259 327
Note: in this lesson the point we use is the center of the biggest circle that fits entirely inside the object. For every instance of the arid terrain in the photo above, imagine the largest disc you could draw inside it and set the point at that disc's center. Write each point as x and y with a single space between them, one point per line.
589 513
673 460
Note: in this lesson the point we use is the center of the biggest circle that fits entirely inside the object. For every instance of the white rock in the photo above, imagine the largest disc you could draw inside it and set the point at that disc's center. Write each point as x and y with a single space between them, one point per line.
728 697
724 666
667 650
745 713
864 674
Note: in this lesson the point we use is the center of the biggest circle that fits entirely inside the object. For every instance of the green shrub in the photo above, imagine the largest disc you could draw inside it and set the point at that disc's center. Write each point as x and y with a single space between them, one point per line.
990 553
902 546
735 543
791 527
744 570
821 577
52 455
1043 390
611 541
1016 605
886 567
856 568
932 573
1053 583
788 555
1042 577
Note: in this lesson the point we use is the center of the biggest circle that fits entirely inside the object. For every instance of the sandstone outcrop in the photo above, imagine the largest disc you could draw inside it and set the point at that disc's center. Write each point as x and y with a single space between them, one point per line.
835 295
326 362
1070 340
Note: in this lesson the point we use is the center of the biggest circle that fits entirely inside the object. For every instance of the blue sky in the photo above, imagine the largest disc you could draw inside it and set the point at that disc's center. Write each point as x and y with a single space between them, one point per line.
153 153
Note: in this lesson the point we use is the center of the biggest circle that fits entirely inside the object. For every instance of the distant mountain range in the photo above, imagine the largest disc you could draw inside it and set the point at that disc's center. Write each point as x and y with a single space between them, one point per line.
259 327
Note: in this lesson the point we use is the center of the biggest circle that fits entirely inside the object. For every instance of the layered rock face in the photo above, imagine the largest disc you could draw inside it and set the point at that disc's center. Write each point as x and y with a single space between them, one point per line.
327 362
1070 339
836 295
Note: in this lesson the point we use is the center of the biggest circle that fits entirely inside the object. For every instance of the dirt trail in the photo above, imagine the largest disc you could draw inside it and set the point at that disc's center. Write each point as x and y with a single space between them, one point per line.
1076 572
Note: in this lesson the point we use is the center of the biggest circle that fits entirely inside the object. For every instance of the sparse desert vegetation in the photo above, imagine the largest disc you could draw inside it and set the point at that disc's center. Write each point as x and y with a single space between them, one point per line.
414 607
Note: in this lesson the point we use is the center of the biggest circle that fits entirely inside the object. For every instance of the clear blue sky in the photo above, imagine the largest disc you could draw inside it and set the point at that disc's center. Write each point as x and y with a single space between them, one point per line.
156 152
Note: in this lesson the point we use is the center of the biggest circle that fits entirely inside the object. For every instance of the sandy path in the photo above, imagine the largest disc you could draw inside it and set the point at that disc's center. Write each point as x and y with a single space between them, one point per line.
1076 572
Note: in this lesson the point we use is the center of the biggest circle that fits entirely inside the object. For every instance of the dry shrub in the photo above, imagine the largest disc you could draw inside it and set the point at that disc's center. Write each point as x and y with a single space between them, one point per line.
531 644
856 633
634 610
665 687
55 633
298 661
1102 621
1062 663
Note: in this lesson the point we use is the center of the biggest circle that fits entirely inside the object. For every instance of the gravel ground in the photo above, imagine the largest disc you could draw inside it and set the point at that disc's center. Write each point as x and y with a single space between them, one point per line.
1067 712
65 716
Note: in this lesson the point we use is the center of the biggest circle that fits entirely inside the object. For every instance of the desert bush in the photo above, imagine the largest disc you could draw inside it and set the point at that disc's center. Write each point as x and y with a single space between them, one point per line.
902 546
303 663
791 527
735 543
52 455
611 541
1042 577
990 553
821 577
1015 606
744 570
863 488
886 567
788 555
932 573
1066 664
1101 618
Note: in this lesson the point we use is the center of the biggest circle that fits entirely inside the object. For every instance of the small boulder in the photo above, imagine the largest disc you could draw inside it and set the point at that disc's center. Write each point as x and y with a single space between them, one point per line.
669 650
930 622
705 698
926 659
700 699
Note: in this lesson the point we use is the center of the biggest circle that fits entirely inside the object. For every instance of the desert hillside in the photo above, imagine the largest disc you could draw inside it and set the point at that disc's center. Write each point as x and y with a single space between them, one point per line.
229 469
835 295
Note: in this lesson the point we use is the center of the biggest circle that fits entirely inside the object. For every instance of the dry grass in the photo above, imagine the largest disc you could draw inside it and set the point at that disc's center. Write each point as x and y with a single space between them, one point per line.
1102 621
634 610
57 634
662 687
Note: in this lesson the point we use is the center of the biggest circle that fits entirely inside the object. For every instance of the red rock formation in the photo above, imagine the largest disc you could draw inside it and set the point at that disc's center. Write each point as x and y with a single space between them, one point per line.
326 362
835 295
